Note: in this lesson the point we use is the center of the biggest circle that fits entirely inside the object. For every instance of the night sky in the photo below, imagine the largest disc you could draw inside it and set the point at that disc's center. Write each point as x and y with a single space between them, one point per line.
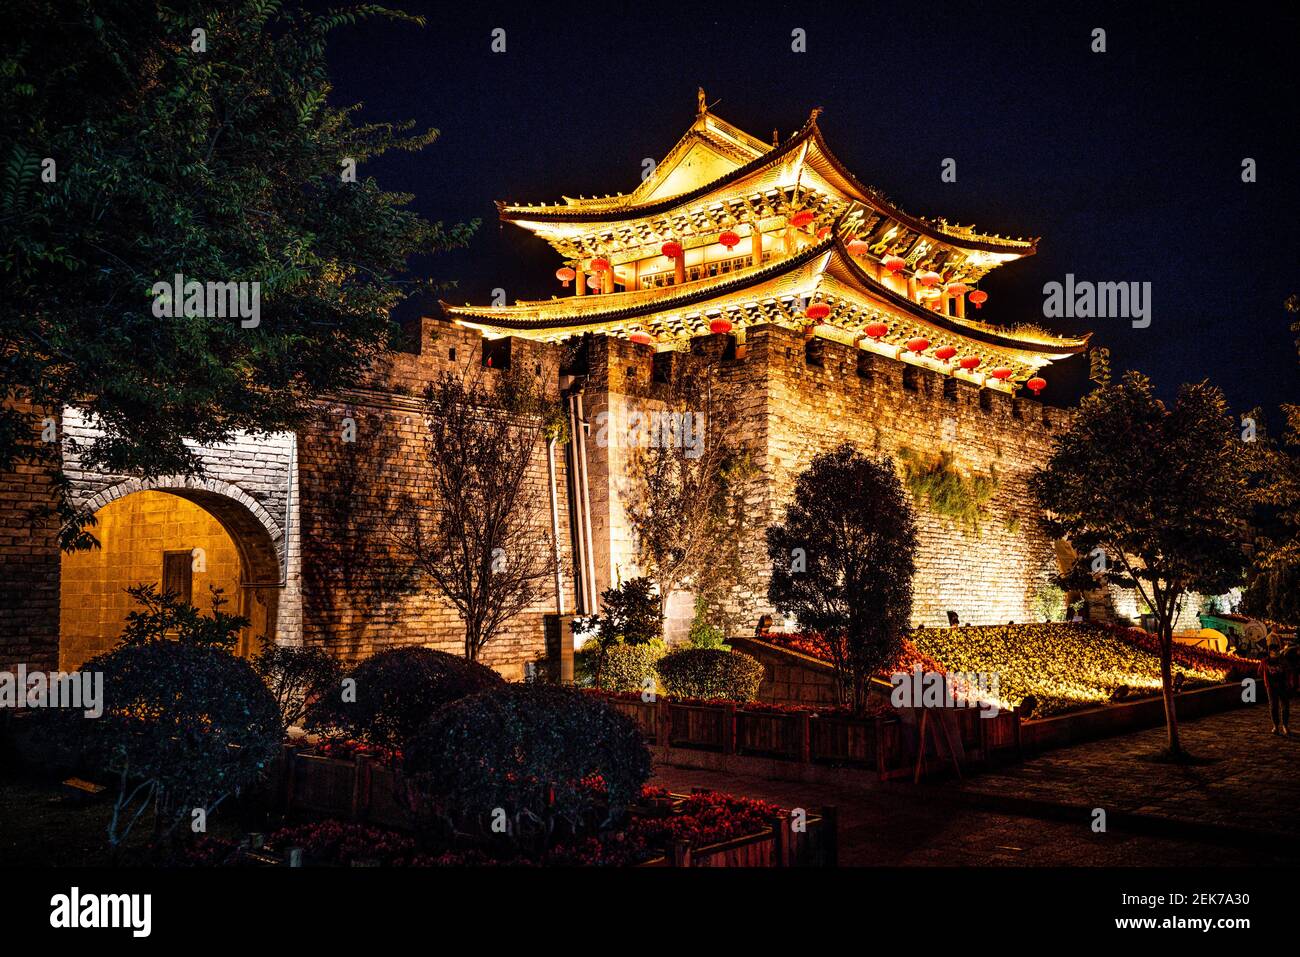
1126 163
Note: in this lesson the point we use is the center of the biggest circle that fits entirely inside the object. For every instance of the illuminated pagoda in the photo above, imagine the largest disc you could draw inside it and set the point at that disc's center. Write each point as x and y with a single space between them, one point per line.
729 232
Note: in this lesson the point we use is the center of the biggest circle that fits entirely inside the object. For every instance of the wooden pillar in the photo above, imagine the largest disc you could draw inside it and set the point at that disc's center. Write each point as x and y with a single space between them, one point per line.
607 280
679 268
580 282
756 245
960 303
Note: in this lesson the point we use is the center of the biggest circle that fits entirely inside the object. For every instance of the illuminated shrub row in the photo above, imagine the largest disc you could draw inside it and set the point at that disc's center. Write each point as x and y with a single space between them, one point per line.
710 673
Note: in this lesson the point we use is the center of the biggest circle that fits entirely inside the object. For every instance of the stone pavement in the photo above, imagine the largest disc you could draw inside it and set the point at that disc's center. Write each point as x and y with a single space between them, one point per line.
1250 779
1039 813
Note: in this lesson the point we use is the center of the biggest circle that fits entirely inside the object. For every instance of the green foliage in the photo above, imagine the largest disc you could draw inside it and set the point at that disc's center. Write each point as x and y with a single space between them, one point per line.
185 726
533 751
1048 600
709 673
164 616
631 614
702 633
622 667
1154 490
945 490
395 693
296 677
223 165
843 561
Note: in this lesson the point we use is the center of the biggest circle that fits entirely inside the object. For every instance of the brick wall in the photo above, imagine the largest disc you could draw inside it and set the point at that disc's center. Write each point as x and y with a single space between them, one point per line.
29 563
362 593
790 410
134 533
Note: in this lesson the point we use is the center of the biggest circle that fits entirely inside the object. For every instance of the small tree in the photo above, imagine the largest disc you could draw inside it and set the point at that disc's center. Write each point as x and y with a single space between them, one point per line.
1151 498
631 615
683 498
473 530
842 563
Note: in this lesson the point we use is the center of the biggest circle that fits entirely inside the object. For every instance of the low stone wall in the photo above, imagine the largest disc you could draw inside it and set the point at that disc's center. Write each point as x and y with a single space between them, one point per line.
789 677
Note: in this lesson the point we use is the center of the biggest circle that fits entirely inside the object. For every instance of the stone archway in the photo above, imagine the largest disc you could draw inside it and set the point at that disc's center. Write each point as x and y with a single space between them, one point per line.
147 523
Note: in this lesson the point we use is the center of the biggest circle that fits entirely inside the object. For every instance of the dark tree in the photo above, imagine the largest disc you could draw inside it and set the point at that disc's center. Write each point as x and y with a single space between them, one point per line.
1150 498
842 563
477 530
140 140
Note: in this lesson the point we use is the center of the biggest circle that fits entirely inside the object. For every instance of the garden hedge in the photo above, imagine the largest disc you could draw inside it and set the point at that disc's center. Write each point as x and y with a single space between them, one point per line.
710 673
542 754
395 694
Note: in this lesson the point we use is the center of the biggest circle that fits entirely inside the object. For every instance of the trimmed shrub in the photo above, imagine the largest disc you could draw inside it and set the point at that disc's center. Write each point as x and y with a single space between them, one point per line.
624 667
542 753
298 676
396 693
709 673
184 726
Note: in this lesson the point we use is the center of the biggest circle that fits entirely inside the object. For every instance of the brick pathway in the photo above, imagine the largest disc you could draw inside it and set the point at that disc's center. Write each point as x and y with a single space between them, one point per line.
1255 782
1251 778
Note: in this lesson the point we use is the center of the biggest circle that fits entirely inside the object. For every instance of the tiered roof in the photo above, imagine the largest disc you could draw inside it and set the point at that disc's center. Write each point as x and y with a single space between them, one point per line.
718 177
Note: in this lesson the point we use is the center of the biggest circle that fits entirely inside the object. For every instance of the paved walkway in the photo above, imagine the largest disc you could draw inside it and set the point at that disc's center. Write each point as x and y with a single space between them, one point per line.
1038 813
1250 778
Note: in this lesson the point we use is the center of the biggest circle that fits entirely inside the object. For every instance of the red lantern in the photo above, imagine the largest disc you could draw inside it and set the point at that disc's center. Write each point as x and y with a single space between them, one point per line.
1036 385
969 363
729 238
945 353
956 289
979 297
823 232
719 326
594 283
918 344
565 275
928 278
1001 374
671 249
642 338
600 264
894 263
817 311
802 218
876 330
859 247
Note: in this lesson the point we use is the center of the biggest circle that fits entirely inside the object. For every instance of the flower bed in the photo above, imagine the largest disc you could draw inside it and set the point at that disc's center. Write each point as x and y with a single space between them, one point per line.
814 645
706 823
1232 666
1063 666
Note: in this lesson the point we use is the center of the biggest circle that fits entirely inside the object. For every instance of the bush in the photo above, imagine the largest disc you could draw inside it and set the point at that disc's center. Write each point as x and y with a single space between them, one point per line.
702 633
630 614
184 726
544 754
395 694
710 673
296 677
623 667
